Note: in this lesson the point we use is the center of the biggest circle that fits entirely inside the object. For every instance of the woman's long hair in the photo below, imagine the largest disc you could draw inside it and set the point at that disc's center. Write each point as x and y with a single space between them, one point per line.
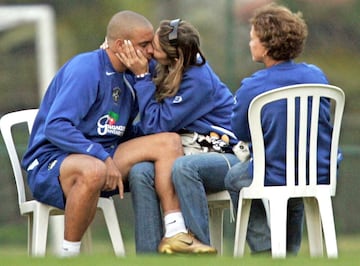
183 54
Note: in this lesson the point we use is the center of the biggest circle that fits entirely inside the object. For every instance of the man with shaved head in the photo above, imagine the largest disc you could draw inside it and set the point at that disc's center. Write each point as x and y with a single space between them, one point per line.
87 112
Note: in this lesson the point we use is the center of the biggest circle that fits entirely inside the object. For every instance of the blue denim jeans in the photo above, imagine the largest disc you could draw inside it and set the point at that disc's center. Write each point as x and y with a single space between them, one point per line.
148 217
193 176
258 234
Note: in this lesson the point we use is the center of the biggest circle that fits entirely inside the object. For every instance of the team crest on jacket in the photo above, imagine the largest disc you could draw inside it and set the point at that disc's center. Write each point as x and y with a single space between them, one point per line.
116 94
107 125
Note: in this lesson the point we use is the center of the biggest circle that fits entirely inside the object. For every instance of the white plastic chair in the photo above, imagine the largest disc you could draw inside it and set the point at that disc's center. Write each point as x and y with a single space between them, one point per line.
317 198
218 202
38 213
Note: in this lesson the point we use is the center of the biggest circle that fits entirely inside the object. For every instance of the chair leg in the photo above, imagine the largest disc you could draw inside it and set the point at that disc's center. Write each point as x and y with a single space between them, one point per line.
86 241
56 231
39 231
278 216
327 218
241 226
30 233
108 207
267 209
313 223
216 228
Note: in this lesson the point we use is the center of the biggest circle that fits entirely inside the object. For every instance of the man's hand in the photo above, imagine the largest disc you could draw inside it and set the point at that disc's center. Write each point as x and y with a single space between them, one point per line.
133 59
113 178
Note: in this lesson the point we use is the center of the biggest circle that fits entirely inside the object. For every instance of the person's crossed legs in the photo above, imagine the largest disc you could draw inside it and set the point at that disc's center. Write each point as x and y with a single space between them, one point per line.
152 148
83 178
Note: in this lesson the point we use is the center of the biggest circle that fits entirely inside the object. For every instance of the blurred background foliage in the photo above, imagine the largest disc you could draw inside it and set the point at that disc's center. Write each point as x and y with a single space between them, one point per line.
80 26
333 45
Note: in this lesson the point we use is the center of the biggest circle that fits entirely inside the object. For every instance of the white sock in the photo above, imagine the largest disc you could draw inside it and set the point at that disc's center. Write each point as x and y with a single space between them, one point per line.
174 224
70 249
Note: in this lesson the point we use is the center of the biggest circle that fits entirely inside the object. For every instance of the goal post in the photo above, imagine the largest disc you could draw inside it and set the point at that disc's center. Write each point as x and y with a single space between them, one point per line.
43 18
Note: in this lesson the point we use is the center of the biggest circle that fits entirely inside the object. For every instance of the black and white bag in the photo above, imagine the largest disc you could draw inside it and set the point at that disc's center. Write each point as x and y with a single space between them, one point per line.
241 150
194 143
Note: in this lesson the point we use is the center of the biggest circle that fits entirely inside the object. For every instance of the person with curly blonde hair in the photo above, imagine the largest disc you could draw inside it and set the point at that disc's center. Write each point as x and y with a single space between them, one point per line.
277 37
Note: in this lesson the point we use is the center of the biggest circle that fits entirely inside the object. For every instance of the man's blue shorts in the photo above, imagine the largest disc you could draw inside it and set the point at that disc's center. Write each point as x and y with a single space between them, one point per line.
43 180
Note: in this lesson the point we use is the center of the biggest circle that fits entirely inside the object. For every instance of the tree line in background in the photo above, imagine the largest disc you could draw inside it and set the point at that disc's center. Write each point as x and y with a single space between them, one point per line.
333 45
223 26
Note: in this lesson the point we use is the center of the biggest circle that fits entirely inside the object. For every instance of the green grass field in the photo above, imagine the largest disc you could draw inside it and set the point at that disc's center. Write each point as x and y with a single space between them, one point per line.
349 254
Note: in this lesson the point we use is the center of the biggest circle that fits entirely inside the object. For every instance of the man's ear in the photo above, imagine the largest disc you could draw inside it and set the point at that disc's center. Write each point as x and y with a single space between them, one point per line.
118 45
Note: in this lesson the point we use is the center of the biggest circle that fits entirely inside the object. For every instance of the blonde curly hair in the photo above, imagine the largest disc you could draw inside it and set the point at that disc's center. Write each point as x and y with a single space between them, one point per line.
282 32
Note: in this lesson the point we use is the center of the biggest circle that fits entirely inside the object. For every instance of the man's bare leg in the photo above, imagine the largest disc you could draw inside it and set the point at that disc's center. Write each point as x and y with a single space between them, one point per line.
82 178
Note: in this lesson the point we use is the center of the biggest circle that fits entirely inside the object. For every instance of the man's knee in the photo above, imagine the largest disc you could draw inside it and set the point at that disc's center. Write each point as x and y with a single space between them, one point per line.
94 175
187 163
142 188
141 174
183 170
